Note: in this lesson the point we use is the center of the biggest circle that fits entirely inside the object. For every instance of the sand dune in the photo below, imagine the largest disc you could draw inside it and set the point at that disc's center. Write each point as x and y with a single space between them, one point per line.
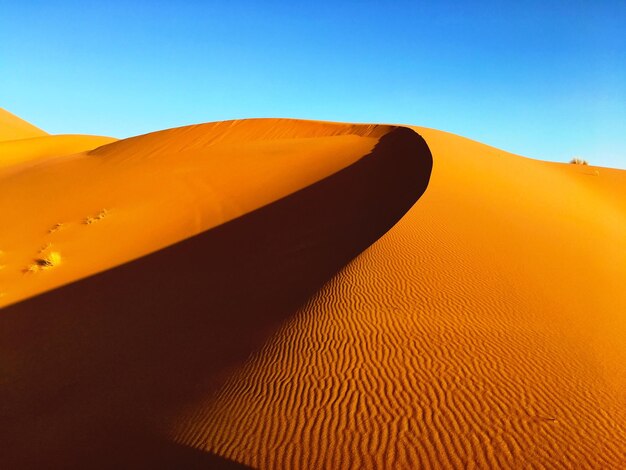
13 127
15 155
138 342
155 190
220 295
485 329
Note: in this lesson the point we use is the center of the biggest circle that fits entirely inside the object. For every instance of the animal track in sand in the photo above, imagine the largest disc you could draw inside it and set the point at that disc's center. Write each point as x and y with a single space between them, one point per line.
55 228
96 218
47 258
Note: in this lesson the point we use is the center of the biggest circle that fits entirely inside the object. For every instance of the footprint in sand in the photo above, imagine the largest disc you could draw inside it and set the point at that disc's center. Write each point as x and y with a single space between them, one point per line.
96 218
48 258
56 227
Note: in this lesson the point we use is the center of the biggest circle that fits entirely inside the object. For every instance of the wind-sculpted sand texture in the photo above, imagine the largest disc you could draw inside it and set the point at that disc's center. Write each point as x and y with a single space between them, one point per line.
95 372
485 330
218 296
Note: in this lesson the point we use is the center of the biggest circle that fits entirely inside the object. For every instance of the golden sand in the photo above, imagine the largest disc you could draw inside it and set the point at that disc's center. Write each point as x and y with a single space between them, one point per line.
153 190
221 294
13 127
485 329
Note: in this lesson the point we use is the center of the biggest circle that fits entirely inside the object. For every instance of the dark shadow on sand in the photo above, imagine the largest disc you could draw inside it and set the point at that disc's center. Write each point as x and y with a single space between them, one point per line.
91 372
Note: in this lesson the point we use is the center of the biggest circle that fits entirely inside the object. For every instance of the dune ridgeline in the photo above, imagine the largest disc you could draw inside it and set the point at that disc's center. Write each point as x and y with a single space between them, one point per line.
289 294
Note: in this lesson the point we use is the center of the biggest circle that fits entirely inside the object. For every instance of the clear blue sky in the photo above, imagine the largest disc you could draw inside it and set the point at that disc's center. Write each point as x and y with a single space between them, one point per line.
544 79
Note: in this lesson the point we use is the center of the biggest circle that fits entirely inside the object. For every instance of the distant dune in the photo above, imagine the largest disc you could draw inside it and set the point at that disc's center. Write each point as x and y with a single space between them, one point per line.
287 294
21 153
13 127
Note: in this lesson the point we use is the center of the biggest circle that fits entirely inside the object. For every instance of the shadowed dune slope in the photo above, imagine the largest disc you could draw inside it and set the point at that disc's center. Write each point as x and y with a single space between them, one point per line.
94 373
13 127
154 190
486 329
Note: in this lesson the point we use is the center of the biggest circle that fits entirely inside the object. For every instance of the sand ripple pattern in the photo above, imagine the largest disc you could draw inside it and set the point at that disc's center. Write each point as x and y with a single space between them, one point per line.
433 349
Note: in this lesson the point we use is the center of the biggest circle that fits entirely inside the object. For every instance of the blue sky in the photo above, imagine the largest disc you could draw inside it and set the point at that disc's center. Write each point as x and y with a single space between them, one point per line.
544 79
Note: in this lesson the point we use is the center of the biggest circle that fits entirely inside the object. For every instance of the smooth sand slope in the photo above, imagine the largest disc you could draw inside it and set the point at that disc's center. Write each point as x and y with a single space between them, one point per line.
487 329
17 155
96 372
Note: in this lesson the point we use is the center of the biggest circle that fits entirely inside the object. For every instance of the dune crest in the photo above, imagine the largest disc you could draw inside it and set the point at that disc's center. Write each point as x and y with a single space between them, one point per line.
288 294
159 188
485 329
117 354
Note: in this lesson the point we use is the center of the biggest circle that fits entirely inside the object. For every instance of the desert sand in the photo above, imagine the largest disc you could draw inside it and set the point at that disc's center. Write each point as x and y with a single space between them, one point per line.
282 294
13 127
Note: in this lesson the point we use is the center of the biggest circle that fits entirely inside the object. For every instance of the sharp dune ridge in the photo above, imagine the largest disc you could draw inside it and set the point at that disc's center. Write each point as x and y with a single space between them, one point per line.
486 328
242 130
168 186
242 277
288 294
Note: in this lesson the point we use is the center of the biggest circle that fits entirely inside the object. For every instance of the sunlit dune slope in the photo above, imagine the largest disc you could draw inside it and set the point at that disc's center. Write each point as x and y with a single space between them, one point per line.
17 154
13 127
151 191
94 372
486 329
220 294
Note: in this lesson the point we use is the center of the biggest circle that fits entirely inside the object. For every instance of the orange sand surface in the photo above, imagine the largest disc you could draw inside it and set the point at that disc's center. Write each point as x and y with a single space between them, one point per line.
295 294
152 190
487 328
16 155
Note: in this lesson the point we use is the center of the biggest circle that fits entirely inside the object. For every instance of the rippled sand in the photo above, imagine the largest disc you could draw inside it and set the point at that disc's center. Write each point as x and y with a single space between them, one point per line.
295 294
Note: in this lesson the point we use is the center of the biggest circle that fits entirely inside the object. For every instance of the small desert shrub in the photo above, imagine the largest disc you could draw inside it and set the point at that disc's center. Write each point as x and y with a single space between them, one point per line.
578 161
51 260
